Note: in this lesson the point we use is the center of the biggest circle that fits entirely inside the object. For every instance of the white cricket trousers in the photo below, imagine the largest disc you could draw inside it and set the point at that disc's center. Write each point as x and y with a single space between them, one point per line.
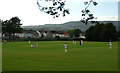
65 49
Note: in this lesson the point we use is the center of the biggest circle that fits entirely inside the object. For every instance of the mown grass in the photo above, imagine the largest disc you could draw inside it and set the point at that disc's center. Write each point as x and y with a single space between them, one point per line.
50 56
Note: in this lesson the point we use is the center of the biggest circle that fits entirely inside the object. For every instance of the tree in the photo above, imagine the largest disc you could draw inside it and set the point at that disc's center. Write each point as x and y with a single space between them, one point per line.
77 32
4 29
12 26
119 33
108 32
0 30
7 28
71 33
97 31
103 32
15 25
89 33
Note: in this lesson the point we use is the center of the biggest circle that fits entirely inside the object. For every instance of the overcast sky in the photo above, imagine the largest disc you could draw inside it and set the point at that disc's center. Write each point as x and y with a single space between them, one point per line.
28 12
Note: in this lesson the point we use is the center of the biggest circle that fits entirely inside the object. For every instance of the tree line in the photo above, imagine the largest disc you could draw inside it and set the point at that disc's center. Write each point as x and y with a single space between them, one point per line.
99 32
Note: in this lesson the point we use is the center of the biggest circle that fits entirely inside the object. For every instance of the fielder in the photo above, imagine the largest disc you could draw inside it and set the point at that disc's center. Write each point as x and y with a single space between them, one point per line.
110 45
29 41
65 45
37 44
75 43
31 45
4 41
81 42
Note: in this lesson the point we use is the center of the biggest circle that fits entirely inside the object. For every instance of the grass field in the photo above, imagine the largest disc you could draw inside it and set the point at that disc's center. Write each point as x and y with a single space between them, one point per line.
50 56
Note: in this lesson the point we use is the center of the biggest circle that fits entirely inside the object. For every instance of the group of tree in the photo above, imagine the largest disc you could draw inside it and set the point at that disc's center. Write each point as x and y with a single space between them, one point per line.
102 32
74 33
11 27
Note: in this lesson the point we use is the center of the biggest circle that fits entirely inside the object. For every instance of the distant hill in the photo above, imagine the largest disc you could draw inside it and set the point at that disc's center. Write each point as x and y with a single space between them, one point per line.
66 26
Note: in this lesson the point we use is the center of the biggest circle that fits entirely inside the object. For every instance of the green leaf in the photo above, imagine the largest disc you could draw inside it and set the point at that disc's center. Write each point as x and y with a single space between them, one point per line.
83 14
87 11
63 14
95 3
46 8
83 11
62 4
85 3
67 11
90 15
54 9
42 8
56 15
55 3
48 12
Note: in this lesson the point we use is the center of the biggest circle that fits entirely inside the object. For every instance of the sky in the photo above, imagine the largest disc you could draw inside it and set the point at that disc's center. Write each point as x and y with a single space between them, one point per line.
29 13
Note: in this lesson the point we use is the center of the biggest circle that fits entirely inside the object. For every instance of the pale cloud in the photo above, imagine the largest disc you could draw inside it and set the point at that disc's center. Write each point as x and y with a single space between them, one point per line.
107 0
95 0
107 18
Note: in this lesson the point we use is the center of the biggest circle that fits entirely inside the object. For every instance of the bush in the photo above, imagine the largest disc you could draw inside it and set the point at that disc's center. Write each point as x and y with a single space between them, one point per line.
40 39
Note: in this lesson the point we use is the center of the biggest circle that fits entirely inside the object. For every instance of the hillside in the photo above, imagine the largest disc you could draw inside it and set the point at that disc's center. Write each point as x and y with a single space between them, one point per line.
66 26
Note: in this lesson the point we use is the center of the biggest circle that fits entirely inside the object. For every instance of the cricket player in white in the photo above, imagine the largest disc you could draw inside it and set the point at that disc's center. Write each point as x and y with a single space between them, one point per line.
37 44
81 42
31 45
75 43
65 45
110 45
29 41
